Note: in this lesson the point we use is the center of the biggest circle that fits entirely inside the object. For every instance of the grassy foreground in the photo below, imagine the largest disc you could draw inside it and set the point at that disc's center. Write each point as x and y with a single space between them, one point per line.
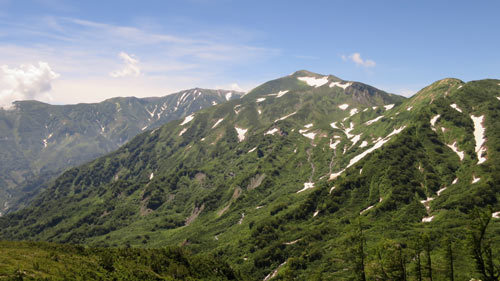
49 261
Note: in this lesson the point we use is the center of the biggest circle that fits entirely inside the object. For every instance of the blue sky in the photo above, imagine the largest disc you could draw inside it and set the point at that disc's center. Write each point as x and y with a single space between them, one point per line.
93 50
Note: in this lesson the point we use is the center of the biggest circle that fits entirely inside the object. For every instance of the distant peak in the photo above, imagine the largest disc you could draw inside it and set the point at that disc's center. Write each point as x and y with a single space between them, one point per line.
303 72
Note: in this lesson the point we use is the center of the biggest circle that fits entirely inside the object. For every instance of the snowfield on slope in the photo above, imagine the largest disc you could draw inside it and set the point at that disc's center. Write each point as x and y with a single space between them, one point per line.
217 123
343 106
307 185
340 84
310 135
374 120
281 93
479 137
428 219
285 117
454 147
377 145
455 106
434 119
314 82
389 106
241 133
187 119
271 132
475 180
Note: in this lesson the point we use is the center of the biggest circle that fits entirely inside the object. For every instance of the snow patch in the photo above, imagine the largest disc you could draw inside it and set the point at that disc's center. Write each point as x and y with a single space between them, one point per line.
460 86
475 180
214 103
355 139
310 135
281 93
455 181
389 106
434 119
151 176
367 209
343 106
259 111
261 99
274 273
292 242
285 117
307 185
374 120
426 203
241 219
496 215
217 123
308 125
458 152
187 119
348 131
409 108
455 106
363 144
314 82
332 189
428 219
237 108
335 175
271 132
334 145
315 213
229 95
182 132
377 145
353 111
441 191
252 150
241 133
340 84
479 137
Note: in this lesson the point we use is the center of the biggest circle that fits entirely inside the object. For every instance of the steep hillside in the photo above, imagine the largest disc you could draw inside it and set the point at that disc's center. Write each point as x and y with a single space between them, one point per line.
39 140
307 176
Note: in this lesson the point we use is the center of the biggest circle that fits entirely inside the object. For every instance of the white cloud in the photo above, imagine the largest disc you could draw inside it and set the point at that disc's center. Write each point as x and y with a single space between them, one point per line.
231 86
236 87
406 92
26 82
131 67
356 58
84 52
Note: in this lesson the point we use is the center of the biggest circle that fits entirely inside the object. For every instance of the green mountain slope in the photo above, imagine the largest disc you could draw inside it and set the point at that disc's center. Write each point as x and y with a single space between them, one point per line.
38 141
288 180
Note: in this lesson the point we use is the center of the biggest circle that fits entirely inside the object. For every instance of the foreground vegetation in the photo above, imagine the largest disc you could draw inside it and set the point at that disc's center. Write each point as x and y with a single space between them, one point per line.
49 261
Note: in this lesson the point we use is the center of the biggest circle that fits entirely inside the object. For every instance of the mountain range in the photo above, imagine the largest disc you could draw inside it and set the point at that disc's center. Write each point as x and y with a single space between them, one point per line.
39 141
306 177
